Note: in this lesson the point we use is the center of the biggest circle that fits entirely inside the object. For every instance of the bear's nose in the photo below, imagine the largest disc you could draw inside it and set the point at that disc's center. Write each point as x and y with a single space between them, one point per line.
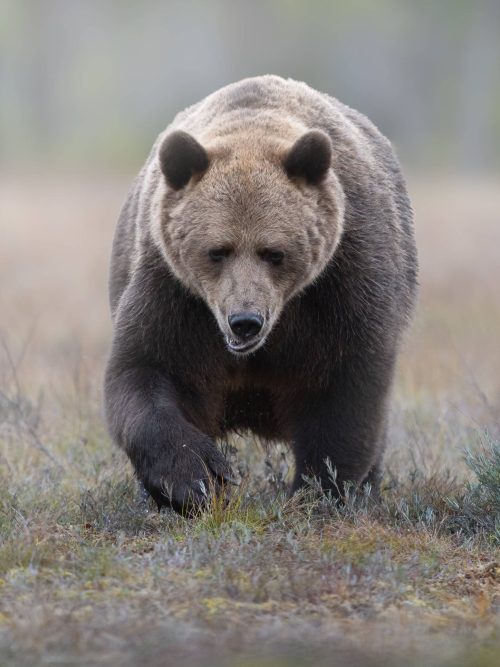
245 325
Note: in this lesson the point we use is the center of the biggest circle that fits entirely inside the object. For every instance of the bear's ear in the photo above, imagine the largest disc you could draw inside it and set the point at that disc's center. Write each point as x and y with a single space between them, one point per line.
181 156
310 157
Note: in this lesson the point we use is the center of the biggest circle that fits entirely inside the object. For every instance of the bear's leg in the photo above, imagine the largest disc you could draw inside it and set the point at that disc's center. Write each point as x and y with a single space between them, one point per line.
374 476
346 425
177 463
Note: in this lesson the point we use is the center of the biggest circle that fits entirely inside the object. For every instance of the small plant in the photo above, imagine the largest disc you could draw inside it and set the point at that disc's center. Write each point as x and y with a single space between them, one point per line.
478 509
486 466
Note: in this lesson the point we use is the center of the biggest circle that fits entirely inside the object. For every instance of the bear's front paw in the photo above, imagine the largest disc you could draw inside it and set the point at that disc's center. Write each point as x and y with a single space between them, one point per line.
187 477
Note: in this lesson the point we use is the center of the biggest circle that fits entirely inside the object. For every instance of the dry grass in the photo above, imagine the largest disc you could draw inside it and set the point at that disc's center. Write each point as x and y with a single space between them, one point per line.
91 574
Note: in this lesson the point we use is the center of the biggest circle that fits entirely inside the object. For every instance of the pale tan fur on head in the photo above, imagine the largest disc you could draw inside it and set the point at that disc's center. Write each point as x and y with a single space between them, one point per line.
246 204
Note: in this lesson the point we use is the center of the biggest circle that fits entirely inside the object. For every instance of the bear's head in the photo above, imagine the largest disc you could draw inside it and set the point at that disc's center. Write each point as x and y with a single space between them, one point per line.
246 222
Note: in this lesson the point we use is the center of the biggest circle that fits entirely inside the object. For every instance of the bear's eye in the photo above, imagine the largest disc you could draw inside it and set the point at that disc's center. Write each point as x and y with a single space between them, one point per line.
218 254
274 257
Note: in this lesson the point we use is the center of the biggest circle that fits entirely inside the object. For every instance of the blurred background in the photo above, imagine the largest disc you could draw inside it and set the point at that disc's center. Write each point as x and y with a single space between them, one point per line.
90 83
86 85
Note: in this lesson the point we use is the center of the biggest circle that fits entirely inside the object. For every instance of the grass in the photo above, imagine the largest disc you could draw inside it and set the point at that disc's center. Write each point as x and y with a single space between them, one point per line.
91 573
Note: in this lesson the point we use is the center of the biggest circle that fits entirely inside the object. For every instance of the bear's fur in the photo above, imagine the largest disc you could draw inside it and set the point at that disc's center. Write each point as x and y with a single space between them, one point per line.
270 205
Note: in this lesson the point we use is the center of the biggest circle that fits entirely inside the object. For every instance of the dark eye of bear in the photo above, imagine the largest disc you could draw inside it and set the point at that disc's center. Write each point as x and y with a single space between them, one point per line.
218 254
274 257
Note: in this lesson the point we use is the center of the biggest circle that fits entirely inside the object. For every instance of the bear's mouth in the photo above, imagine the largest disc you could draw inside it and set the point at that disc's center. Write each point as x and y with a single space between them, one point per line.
243 347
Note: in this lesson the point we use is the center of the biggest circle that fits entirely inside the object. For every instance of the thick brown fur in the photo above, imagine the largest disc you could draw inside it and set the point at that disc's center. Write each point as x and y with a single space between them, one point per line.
293 207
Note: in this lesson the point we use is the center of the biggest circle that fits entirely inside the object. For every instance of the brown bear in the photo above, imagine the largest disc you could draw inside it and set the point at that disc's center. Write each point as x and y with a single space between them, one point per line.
263 271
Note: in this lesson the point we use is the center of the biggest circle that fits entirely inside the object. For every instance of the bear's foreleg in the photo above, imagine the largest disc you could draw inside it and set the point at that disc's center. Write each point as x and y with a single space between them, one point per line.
177 463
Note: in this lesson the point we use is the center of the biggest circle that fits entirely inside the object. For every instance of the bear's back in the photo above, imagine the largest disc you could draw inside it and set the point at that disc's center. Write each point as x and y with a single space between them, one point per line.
262 99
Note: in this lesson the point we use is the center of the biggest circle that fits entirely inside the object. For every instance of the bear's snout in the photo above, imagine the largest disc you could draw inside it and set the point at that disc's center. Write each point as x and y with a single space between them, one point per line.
246 331
246 325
